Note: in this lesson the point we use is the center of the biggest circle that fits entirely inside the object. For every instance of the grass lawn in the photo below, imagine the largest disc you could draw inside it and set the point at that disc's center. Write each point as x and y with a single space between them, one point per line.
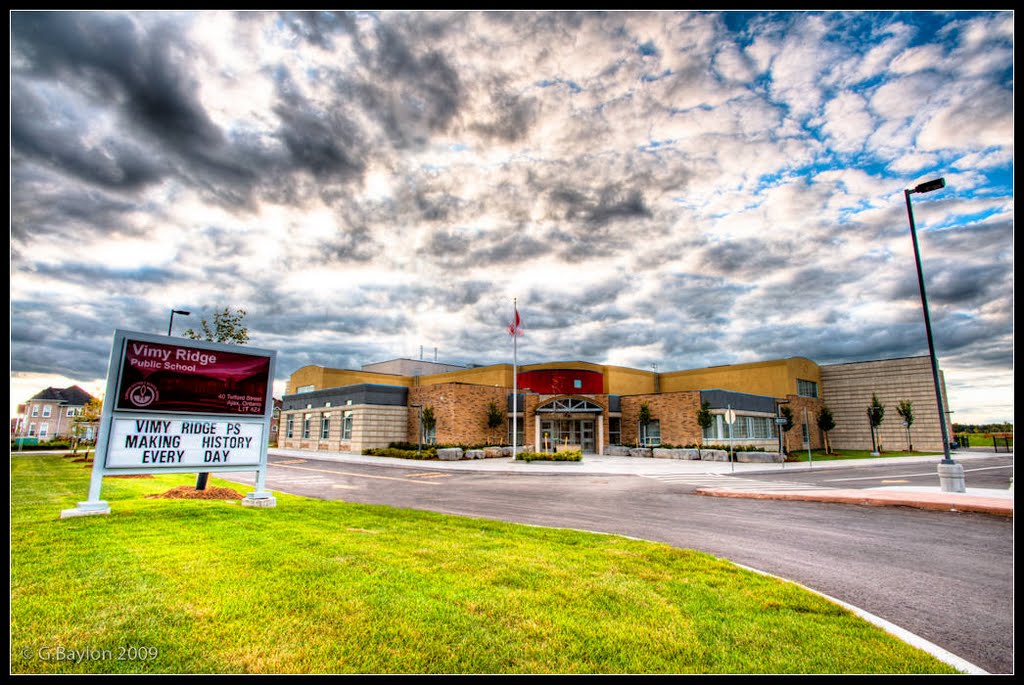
207 586
819 455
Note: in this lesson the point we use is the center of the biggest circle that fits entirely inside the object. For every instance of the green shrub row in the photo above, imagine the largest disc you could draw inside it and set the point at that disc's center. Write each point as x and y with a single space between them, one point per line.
574 455
735 448
428 452
55 444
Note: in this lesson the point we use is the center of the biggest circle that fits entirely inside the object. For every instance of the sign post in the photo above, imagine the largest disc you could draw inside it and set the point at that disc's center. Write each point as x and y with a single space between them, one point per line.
730 418
174 406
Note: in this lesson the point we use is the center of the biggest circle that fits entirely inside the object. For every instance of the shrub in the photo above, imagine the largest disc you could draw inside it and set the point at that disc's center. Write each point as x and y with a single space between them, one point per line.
574 455
428 452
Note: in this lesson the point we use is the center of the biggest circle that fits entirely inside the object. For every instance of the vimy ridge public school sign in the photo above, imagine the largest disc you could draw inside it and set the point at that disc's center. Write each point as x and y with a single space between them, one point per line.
176 406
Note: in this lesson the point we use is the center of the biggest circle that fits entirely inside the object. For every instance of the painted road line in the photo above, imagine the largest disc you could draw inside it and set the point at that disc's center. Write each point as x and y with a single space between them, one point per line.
357 475
429 475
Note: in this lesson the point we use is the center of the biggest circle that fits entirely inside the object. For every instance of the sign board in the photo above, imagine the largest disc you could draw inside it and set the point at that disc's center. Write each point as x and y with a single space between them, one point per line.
154 443
781 421
177 406
183 379
730 416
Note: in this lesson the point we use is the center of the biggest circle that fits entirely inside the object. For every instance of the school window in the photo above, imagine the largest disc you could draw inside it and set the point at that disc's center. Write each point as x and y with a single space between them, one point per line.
743 428
46 411
305 427
72 411
305 388
31 430
508 431
650 435
291 426
35 410
806 388
325 426
806 434
346 426
44 430
614 431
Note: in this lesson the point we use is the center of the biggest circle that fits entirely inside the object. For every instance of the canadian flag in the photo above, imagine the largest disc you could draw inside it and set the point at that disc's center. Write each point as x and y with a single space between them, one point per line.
516 327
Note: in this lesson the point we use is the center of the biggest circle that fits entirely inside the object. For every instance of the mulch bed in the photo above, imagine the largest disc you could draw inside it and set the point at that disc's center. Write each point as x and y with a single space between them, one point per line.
189 492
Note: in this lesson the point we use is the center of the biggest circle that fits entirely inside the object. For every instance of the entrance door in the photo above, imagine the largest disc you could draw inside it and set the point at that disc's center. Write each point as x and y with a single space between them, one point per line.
569 431
586 433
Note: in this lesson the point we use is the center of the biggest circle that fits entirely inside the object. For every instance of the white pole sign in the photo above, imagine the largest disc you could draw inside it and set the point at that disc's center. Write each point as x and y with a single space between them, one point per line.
178 406
153 443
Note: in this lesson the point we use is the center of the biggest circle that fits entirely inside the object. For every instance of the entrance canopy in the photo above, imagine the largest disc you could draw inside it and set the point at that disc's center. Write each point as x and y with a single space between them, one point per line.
570 404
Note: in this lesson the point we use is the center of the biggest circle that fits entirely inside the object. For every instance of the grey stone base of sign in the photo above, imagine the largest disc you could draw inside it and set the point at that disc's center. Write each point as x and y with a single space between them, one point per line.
951 477
87 509
264 500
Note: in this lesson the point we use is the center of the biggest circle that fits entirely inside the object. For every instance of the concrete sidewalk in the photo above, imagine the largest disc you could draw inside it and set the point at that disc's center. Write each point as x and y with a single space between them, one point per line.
998 502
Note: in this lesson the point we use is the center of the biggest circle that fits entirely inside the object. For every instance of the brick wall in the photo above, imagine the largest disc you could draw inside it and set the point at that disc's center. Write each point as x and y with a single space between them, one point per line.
676 412
793 438
460 410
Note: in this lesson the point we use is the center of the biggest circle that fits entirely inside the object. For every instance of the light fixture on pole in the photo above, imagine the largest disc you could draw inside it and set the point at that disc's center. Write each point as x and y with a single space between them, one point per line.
951 478
171 322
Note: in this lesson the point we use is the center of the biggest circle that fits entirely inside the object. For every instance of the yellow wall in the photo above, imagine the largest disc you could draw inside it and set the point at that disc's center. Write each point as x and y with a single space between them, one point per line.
321 378
498 374
619 380
773 378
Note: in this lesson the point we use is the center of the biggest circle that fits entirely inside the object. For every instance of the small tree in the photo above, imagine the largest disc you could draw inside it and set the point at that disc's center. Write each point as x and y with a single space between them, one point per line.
826 422
495 417
704 419
429 424
227 328
787 414
876 413
645 420
905 409
89 416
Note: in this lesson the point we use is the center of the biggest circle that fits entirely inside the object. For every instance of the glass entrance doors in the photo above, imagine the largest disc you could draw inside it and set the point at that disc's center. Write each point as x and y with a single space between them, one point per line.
568 432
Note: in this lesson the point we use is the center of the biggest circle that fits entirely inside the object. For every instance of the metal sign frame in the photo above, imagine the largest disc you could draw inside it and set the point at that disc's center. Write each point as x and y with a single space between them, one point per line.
115 370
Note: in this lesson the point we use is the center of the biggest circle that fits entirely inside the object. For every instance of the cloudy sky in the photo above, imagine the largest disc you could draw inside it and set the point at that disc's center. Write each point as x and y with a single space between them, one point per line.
656 188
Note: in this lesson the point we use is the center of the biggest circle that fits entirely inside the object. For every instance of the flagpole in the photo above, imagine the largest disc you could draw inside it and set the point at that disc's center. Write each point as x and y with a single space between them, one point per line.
515 379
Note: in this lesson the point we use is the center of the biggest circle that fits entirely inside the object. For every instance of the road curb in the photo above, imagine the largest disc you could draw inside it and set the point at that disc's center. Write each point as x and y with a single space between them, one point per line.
934 502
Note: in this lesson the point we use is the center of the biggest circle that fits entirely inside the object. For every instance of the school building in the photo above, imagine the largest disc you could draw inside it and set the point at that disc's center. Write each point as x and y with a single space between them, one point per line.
596 406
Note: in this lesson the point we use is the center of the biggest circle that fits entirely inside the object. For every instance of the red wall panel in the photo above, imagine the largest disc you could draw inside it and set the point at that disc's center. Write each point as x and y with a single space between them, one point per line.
562 382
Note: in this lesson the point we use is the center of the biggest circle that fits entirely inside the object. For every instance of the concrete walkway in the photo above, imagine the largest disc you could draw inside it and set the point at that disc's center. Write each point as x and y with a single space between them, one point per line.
998 502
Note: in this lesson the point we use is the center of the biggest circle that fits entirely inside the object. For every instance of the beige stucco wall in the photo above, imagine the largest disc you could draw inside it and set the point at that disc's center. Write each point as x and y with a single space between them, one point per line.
847 390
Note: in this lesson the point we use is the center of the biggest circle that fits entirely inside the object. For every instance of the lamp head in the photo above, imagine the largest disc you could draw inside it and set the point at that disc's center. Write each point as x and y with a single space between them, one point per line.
180 311
929 186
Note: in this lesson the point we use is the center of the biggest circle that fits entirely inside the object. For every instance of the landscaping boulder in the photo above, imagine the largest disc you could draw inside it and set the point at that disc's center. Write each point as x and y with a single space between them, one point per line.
474 454
689 453
714 455
497 452
449 453
616 451
760 457
640 452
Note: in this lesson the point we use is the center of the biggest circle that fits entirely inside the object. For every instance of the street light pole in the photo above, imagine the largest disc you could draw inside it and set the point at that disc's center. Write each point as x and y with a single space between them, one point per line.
947 461
171 322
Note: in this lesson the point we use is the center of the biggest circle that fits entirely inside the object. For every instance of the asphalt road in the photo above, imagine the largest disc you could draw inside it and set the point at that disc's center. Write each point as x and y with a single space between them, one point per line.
945 576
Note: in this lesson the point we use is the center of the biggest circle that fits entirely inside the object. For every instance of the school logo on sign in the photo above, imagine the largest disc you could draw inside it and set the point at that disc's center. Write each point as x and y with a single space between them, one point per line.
142 394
